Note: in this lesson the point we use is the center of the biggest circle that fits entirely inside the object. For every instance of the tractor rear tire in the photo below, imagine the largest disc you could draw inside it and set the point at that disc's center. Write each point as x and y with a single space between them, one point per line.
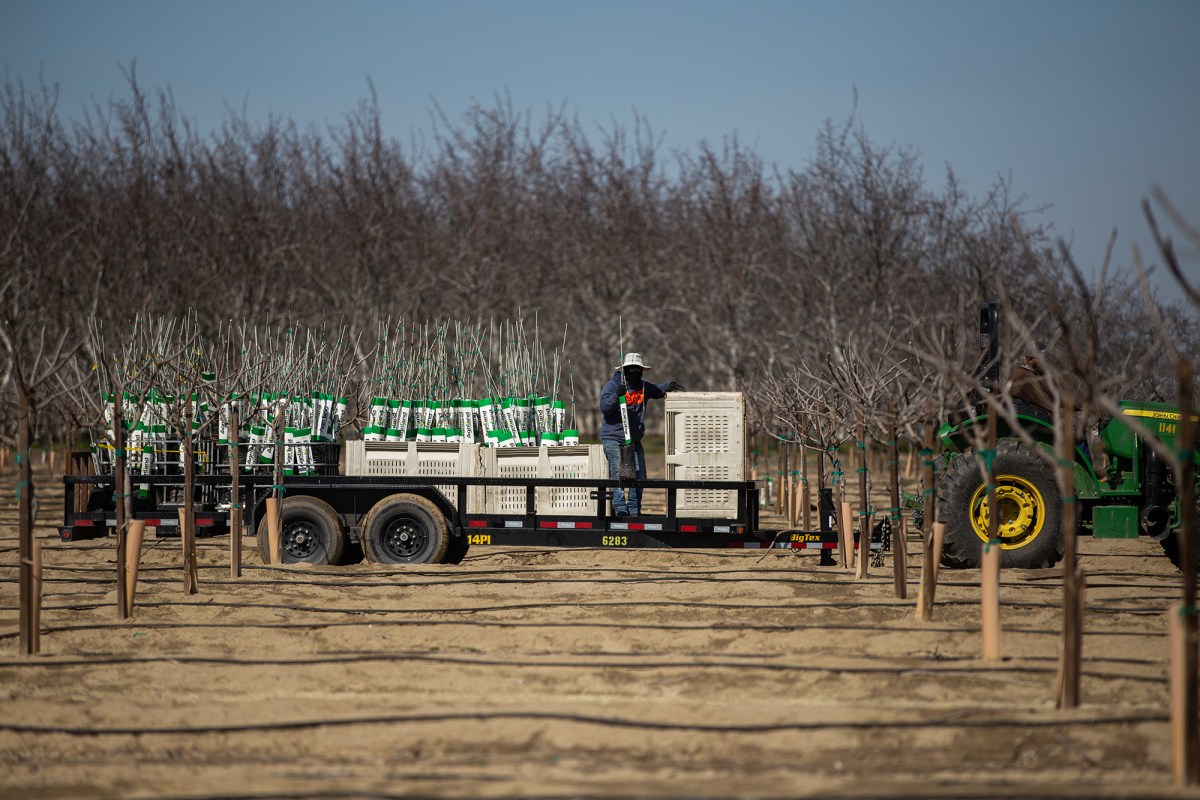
312 533
1173 547
405 529
1029 501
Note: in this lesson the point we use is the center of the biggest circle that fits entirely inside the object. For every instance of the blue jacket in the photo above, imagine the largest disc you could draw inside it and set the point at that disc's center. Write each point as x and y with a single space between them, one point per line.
610 407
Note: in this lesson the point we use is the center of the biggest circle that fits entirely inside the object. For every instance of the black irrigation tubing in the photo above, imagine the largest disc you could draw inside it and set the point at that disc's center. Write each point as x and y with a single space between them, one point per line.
1031 580
133 625
445 580
699 604
966 666
1006 790
574 605
336 579
957 720
377 570
500 583
472 580
93 605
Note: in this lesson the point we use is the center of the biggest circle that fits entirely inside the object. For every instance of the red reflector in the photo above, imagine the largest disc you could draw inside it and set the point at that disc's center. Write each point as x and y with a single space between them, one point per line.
84 523
829 545
583 524
152 522
637 526
477 523
544 524
688 529
203 521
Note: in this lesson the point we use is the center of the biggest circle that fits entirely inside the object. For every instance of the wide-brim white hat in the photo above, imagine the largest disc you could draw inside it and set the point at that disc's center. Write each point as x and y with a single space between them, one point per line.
634 360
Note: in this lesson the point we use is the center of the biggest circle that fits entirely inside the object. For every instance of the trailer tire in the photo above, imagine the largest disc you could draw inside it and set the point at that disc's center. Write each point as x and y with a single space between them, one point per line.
405 529
1030 507
312 533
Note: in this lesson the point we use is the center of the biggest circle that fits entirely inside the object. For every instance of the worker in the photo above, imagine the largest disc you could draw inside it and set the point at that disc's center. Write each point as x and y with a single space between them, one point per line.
627 380
1027 381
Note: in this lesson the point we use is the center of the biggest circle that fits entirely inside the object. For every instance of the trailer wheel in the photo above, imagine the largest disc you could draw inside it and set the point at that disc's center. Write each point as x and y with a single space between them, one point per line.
312 533
405 529
1029 505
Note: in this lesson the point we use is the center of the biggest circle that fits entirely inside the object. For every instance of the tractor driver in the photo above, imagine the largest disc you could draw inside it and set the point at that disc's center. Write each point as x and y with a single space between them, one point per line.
1027 381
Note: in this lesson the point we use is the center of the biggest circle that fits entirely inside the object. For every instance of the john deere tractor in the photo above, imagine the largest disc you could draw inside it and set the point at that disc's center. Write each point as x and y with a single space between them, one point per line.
1133 493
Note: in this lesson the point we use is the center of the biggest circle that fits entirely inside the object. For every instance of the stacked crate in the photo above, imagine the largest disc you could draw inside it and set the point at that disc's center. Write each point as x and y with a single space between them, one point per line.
419 459
706 440
564 461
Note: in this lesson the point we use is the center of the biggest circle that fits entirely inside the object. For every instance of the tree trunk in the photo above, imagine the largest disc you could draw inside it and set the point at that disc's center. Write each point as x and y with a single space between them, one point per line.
120 497
188 519
235 486
28 635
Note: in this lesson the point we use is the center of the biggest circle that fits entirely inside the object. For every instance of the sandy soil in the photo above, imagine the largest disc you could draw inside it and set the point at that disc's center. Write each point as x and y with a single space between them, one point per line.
573 673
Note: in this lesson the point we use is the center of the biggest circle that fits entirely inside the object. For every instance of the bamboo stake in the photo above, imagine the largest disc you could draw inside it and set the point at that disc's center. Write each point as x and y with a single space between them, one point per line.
990 601
929 571
989 577
847 538
133 560
273 530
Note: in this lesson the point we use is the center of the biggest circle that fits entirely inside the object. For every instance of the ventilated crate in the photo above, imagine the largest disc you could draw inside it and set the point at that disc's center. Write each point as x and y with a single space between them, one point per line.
706 441
419 459
571 461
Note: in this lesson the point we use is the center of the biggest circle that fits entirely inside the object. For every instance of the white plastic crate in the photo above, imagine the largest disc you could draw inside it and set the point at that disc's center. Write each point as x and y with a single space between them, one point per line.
571 461
419 459
706 440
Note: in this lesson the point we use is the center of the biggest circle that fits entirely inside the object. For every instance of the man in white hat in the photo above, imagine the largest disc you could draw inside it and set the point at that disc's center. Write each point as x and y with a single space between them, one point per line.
627 381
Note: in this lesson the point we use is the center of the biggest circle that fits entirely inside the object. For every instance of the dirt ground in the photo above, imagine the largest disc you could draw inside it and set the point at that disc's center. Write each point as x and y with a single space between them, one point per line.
573 673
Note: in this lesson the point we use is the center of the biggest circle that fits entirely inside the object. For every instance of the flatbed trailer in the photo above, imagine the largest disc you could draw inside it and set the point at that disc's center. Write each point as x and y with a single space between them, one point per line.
405 519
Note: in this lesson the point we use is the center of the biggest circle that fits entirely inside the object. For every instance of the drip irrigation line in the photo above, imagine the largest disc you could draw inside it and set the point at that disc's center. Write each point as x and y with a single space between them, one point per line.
956 720
484 623
468 580
941 666
1165 600
418 584
1005 790
750 607
966 666
839 580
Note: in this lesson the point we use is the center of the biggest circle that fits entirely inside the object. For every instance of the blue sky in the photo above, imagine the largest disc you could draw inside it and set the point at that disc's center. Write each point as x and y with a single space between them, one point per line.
1085 105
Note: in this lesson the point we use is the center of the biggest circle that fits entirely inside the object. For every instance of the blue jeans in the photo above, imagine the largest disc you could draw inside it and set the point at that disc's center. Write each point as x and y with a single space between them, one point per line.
612 451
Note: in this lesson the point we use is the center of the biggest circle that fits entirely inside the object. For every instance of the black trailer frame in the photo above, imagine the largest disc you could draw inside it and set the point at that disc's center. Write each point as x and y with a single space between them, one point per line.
353 496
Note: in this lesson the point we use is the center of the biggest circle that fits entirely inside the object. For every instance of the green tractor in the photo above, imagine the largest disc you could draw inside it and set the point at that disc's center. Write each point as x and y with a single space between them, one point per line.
1123 492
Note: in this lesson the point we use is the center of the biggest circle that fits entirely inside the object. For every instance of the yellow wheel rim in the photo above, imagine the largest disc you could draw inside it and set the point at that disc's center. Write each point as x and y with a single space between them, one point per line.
1021 507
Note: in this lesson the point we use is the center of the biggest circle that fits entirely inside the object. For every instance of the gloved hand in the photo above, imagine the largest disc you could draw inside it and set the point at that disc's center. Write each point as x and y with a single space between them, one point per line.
675 387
